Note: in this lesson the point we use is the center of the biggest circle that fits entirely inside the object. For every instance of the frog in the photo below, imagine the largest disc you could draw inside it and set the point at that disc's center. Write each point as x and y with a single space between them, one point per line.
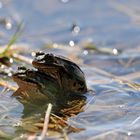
68 74
36 90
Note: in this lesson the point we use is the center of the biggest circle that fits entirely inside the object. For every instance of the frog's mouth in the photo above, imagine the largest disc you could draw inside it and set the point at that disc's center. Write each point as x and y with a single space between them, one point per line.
25 80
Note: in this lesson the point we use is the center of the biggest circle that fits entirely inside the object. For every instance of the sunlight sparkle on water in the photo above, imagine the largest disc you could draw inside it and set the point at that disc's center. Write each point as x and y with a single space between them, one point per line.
64 1
115 51
11 60
8 25
122 106
33 54
55 45
2 66
9 74
75 29
129 133
71 43
85 52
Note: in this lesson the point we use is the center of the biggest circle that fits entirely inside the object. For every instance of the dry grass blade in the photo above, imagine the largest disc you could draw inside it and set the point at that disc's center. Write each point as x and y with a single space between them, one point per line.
120 80
15 48
64 124
22 58
5 136
46 122
131 76
65 135
102 135
59 118
5 84
135 121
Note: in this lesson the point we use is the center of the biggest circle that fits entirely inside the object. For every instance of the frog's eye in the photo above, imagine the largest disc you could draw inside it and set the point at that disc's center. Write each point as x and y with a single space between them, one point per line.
39 53
22 68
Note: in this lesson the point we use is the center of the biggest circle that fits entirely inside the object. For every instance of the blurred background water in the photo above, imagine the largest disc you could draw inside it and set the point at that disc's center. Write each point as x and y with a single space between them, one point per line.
104 22
115 110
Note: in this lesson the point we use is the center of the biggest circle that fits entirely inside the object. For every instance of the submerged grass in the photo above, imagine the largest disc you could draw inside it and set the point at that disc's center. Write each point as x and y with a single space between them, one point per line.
5 136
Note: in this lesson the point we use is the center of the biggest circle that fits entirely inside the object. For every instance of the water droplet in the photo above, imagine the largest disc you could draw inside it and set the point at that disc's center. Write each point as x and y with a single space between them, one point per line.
115 51
11 60
129 133
71 43
33 54
75 29
122 106
8 25
85 52
55 45
2 66
9 74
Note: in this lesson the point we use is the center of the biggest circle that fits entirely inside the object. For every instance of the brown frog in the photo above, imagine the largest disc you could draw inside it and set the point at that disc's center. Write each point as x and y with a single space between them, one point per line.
36 90
67 73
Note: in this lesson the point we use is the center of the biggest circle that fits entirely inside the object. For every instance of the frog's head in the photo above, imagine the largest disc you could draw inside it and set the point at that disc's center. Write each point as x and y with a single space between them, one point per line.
26 78
35 81
63 70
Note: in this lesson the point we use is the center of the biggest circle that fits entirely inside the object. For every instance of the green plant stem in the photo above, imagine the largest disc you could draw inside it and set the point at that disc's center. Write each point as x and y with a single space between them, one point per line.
13 39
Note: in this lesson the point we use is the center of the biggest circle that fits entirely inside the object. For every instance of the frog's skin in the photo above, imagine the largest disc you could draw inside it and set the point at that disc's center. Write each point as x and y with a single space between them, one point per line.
67 73
37 89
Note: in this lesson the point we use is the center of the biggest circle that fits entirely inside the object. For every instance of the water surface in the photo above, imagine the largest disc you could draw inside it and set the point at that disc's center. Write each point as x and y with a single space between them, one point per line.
114 110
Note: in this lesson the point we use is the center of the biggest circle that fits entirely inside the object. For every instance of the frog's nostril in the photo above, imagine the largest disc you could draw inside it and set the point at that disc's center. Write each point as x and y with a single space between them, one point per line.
74 84
49 55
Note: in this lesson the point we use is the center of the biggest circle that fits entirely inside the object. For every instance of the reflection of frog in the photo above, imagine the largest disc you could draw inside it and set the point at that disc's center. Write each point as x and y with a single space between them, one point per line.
68 74
37 90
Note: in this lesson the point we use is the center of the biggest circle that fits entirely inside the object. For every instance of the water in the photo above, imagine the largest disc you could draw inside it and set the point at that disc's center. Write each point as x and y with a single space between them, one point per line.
114 110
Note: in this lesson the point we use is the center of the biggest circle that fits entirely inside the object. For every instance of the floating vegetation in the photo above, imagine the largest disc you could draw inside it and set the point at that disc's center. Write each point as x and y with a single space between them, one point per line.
102 50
